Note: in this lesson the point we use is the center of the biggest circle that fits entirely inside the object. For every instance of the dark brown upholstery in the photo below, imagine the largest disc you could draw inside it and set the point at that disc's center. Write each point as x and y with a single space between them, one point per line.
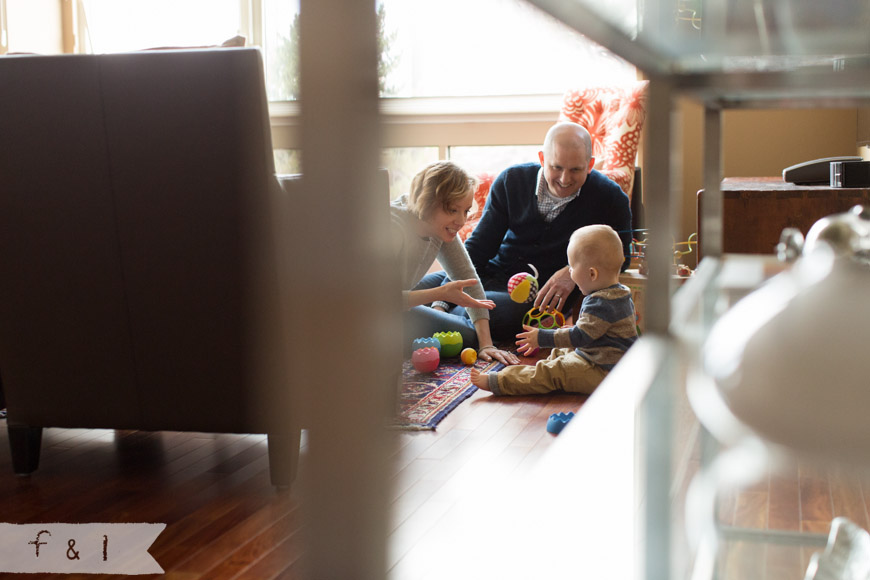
139 277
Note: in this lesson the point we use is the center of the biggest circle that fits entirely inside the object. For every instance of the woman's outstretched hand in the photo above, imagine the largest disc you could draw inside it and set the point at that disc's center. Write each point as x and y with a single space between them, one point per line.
452 292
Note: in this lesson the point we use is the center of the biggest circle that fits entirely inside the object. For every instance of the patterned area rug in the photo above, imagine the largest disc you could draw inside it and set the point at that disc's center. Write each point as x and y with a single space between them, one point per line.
427 398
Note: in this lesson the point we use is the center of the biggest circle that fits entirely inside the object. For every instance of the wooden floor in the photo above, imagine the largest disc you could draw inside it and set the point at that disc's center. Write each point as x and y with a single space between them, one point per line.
224 519
800 500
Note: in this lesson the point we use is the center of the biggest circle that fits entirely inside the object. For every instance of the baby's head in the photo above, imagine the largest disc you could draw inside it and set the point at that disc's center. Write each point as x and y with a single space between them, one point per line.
595 256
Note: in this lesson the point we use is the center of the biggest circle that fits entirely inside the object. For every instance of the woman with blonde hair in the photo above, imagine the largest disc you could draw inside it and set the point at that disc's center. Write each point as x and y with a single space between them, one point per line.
425 224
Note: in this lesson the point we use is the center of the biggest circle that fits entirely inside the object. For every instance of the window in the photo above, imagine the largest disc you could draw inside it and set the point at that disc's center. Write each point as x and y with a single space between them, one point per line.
288 161
4 35
491 159
478 82
124 25
403 164
487 47
446 66
455 48
448 48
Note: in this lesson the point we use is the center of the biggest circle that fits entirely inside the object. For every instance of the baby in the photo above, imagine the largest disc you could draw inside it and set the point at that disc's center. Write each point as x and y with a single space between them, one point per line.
584 353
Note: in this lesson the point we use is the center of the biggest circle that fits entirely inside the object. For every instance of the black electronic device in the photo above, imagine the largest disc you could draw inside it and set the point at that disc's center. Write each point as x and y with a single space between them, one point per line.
850 174
815 172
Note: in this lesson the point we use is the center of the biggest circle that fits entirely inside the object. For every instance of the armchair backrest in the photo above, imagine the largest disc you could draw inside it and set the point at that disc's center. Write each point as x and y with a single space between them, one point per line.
614 117
137 282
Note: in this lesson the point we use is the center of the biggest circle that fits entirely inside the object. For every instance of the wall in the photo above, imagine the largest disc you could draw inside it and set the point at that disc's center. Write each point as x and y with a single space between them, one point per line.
760 143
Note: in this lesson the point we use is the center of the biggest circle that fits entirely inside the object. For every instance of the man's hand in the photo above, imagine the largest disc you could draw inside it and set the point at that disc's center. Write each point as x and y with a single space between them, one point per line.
554 293
527 341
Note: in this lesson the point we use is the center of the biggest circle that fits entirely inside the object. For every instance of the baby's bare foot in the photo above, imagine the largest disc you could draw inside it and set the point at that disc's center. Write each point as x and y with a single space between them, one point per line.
479 379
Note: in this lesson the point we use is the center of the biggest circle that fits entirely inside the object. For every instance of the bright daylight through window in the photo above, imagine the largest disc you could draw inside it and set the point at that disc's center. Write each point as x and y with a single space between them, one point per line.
429 48
449 49
124 25
455 48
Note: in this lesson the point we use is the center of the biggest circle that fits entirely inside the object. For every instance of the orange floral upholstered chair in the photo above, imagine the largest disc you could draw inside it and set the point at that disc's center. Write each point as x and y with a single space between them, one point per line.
484 181
614 117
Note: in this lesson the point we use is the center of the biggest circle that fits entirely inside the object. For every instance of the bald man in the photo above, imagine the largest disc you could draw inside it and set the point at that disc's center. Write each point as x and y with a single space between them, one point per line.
530 214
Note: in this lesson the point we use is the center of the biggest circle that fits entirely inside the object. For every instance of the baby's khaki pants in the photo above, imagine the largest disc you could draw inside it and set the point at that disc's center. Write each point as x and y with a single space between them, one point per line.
563 370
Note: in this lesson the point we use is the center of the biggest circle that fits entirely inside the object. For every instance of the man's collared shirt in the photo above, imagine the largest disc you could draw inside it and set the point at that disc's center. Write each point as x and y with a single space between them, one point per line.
548 204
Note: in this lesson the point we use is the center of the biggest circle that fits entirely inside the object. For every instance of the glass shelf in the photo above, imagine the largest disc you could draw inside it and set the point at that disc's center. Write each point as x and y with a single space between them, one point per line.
690 36
723 474
740 51
722 54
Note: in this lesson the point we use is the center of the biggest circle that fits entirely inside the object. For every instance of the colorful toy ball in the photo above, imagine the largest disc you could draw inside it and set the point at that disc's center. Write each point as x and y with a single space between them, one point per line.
424 342
426 359
451 343
468 356
523 287
546 320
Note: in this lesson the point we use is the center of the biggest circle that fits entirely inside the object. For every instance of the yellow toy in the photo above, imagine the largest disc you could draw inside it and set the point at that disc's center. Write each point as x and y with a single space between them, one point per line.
468 356
547 320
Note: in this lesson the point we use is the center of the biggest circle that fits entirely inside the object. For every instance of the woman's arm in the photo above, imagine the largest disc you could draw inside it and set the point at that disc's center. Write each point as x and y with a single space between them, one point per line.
455 261
450 292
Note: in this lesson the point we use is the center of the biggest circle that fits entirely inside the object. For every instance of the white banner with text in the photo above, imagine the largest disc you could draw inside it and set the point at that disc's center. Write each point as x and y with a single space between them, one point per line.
79 548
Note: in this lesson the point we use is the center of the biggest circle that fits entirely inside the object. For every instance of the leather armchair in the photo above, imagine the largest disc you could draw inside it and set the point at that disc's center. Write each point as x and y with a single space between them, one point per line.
140 254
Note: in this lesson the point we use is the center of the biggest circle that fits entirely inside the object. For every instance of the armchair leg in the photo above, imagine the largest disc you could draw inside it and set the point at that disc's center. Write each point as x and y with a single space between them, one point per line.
283 456
25 443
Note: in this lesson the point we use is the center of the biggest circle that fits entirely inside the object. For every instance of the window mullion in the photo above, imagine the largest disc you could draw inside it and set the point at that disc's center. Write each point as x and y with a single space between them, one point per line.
70 32
251 21
4 32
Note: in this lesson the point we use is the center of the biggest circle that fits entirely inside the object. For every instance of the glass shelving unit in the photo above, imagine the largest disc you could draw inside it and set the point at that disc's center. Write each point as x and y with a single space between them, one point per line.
729 54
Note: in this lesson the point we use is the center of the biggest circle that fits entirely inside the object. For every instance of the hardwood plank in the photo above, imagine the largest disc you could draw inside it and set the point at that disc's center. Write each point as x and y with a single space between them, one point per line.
848 498
444 444
784 563
225 520
281 512
414 499
248 500
277 563
784 512
816 503
417 443
408 535
727 507
278 533
742 561
751 510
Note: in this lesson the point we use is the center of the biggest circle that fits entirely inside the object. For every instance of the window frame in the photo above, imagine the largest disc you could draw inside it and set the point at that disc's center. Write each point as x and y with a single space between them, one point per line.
4 29
442 122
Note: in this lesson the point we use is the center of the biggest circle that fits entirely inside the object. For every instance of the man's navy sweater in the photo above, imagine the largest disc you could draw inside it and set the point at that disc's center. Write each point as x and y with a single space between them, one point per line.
512 233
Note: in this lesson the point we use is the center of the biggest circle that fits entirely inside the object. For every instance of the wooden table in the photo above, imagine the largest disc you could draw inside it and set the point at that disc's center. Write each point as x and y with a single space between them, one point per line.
756 210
